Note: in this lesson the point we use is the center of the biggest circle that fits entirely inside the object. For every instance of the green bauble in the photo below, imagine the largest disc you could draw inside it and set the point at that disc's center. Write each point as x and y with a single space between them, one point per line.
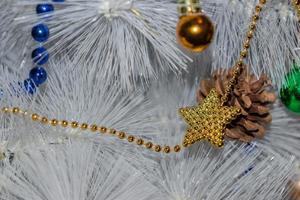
290 92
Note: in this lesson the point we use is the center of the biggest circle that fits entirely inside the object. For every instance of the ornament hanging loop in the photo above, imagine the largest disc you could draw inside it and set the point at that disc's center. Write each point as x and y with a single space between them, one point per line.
111 9
188 7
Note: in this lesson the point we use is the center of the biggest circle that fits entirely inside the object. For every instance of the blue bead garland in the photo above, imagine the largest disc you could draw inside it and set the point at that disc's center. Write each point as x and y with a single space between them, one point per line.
40 56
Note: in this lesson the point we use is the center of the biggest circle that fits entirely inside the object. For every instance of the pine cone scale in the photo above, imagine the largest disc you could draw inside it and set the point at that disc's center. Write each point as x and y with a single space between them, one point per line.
259 109
264 97
247 102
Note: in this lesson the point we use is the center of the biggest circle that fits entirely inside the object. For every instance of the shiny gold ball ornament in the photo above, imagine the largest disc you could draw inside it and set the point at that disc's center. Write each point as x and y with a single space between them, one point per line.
195 32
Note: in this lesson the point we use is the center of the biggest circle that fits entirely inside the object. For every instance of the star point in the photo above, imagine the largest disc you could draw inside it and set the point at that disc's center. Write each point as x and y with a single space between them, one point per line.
208 120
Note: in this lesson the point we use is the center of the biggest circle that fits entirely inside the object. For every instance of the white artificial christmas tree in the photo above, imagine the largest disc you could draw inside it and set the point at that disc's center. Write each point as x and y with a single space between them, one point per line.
116 67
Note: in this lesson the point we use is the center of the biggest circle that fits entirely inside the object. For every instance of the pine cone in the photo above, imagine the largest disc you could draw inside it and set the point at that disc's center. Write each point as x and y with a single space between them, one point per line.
253 96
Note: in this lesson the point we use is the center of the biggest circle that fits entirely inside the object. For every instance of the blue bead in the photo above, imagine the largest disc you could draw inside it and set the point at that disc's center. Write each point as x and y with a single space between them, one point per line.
1 93
58 0
40 55
29 86
251 148
40 32
44 8
248 170
38 75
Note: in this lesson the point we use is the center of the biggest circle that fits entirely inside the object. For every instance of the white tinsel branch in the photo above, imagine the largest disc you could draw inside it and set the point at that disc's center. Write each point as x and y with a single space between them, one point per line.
14 43
274 46
129 41
74 171
206 173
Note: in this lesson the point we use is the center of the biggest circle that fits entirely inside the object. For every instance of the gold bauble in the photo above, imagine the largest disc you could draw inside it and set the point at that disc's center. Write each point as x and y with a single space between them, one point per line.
195 32
295 189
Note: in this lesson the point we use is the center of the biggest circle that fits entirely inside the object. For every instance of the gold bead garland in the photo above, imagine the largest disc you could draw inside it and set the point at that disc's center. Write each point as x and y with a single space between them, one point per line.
208 120
140 141
239 66
92 128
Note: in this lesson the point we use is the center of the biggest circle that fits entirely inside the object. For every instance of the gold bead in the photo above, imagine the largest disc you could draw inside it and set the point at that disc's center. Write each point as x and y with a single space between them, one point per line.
74 125
64 123
239 68
250 34
54 122
252 26
195 32
220 145
231 82
185 144
149 145
103 129
258 8
112 131
94 128
44 120
177 148
262 1
244 53
130 138
253 23
235 73
84 126
246 45
140 141
255 17
122 135
16 110
157 148
167 149
35 117
5 109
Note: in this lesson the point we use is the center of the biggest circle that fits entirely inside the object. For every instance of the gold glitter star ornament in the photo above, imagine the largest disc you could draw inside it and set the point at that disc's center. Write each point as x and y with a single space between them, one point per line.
208 120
